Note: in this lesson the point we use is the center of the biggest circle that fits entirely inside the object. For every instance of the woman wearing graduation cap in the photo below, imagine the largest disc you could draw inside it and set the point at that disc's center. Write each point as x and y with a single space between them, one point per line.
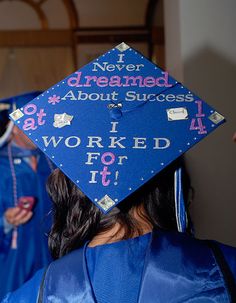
24 202
120 231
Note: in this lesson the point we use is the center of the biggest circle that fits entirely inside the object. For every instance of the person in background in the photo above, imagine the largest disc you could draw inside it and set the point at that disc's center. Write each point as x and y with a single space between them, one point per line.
24 203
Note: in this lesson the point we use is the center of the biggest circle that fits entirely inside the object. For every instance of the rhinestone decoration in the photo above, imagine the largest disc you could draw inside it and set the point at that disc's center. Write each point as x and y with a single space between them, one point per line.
216 117
17 114
113 105
106 202
179 113
61 120
122 47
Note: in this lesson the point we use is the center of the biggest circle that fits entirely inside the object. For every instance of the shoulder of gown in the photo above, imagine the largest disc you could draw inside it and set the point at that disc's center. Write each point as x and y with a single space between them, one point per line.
229 253
28 293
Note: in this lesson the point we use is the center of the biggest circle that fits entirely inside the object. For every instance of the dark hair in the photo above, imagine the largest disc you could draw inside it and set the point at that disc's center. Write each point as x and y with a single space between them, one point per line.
77 219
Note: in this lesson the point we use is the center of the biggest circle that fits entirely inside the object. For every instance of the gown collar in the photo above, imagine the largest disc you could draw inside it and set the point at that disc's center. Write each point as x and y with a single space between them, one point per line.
177 268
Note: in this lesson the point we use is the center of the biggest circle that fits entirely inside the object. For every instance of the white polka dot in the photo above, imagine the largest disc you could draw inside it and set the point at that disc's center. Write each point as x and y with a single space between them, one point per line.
142 179
47 92
18 122
95 199
44 149
22 108
194 138
152 171
61 165
77 181
52 87
29 134
36 140
188 143
180 150
182 87
130 188
38 98
53 157
116 200
162 163
212 125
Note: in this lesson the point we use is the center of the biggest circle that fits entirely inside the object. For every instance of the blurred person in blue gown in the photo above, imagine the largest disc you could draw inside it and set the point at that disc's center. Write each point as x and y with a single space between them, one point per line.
24 203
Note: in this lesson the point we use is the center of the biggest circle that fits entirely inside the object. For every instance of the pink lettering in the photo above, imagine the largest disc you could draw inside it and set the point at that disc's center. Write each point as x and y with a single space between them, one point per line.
105 155
163 81
115 81
149 81
104 174
29 123
102 81
74 81
196 124
30 109
133 81
89 79
40 115
199 108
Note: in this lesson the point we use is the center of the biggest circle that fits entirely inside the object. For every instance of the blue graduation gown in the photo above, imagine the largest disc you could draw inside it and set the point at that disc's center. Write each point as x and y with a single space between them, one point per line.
177 268
19 265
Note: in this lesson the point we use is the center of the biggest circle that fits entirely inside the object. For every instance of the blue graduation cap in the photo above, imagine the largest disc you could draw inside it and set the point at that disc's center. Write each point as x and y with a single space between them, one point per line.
115 123
7 105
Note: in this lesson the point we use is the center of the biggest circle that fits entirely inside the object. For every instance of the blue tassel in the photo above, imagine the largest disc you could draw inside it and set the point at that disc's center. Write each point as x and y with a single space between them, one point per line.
180 211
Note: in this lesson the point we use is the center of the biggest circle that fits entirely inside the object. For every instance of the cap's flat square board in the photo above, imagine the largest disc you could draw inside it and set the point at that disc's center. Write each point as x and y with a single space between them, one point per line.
115 123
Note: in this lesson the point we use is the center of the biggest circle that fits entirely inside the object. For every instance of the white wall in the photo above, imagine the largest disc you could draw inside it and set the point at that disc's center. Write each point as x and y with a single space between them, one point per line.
201 50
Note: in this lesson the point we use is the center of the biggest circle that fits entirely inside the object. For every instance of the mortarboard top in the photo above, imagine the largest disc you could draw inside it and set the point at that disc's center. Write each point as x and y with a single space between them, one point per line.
115 123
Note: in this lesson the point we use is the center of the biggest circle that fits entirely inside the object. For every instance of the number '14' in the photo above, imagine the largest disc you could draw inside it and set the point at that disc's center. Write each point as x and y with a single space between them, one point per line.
196 123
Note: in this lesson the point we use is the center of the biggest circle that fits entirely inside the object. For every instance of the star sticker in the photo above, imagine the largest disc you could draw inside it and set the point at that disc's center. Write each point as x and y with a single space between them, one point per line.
61 120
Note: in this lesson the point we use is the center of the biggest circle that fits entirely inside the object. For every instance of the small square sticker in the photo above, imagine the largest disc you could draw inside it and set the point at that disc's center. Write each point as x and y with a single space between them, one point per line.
179 113
16 115
216 117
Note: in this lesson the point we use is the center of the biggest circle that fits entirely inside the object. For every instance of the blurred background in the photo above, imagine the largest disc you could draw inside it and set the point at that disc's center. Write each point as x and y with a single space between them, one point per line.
42 41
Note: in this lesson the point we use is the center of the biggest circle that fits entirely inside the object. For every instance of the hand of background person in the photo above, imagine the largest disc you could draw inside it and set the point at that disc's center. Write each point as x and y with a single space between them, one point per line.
17 216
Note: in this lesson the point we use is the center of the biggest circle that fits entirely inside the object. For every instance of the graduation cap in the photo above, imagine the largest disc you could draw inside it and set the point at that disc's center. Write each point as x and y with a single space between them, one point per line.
7 105
115 123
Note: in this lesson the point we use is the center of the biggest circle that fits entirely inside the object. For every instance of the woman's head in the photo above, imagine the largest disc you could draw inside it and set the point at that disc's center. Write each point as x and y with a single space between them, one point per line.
77 219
